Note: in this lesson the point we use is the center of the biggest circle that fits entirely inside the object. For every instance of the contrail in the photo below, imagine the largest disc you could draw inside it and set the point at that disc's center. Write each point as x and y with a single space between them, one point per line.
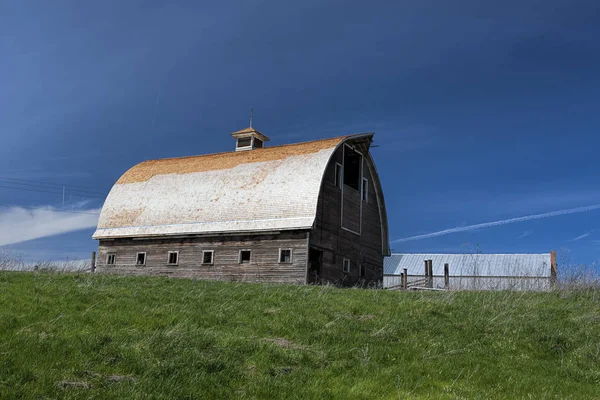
581 237
502 222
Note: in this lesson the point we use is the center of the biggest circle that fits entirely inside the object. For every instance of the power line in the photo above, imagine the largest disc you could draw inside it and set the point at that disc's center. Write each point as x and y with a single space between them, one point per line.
48 191
58 185
52 187
49 209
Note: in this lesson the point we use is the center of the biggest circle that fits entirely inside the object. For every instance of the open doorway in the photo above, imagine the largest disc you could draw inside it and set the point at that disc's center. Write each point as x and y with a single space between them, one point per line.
315 262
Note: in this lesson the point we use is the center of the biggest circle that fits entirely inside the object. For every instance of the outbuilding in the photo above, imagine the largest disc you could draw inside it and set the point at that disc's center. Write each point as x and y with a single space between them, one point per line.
471 271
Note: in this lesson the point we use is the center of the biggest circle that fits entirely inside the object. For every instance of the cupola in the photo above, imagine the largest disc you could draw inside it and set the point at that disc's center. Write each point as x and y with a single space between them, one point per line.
249 139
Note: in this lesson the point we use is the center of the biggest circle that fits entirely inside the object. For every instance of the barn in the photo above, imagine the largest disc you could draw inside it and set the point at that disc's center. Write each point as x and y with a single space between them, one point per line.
471 271
308 212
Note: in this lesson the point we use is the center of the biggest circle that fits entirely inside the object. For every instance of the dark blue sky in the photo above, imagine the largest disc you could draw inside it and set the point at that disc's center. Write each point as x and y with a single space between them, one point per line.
482 112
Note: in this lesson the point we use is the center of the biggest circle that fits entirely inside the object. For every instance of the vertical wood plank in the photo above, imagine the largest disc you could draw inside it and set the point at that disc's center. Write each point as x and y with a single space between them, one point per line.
446 276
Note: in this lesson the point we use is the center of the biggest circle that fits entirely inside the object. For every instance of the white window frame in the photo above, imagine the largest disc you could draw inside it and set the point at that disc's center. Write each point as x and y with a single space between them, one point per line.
169 257
212 257
348 263
338 175
112 253
240 256
137 256
365 190
246 147
291 256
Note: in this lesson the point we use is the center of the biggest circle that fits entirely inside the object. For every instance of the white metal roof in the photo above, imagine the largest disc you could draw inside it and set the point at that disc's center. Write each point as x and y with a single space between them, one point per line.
274 188
531 265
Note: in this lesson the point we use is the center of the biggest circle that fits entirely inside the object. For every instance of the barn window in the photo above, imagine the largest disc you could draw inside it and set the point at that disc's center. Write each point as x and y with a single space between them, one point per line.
285 255
173 258
245 256
365 189
352 168
338 175
140 259
208 257
361 270
111 258
346 266
258 144
244 142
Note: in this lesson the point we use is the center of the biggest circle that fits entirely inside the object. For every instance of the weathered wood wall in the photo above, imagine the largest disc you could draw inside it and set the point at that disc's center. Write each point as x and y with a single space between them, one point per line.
351 209
337 243
264 265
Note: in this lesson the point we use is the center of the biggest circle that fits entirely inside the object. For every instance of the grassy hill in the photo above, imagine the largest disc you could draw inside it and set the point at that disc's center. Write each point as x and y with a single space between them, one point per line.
93 336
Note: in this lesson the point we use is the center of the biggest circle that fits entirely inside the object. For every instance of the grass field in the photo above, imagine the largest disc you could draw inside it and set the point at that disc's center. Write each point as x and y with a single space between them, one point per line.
93 336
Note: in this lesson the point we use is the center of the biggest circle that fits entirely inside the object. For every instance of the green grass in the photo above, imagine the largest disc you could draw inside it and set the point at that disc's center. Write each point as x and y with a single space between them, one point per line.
126 337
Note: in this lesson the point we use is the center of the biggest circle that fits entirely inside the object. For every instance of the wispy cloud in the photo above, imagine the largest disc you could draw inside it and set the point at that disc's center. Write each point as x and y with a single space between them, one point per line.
501 222
580 237
18 224
525 234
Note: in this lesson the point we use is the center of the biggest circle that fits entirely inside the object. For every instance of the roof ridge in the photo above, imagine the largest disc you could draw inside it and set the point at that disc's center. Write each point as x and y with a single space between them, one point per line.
227 160
254 150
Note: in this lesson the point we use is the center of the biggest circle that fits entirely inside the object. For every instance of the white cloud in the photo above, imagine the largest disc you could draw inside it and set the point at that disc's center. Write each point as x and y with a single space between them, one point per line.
498 223
19 224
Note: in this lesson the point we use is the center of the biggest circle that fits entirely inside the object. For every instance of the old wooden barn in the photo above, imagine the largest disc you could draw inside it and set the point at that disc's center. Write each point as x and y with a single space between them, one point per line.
299 213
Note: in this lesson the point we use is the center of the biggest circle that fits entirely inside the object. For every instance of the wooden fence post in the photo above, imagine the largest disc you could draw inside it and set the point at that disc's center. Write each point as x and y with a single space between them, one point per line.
553 269
426 270
446 276
405 279
93 261
430 273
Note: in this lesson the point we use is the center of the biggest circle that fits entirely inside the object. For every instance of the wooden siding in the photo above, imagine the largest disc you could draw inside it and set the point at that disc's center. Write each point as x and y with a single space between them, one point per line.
351 209
337 243
264 265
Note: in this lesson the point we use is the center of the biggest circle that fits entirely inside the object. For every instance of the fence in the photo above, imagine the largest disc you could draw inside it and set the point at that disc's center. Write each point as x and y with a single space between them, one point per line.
428 280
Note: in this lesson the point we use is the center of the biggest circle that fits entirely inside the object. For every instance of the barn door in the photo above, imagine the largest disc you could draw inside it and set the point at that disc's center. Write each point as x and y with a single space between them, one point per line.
315 262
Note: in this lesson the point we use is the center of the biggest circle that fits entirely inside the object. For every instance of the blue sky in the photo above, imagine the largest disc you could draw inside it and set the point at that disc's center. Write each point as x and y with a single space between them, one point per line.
482 112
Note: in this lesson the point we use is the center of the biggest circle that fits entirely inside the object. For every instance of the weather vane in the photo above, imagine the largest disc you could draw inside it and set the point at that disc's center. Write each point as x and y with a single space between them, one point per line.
251 115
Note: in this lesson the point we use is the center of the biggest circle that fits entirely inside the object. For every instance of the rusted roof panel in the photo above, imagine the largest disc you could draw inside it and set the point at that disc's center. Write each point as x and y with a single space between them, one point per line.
274 188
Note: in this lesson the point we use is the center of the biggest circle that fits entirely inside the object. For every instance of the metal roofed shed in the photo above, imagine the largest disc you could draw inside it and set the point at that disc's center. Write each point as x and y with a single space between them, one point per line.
473 271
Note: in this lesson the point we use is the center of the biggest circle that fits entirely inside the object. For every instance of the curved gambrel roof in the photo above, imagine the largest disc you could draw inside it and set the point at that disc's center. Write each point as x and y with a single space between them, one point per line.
270 189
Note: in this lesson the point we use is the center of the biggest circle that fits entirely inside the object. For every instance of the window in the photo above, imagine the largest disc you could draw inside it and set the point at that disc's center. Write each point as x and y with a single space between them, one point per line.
361 271
208 257
352 168
258 144
245 256
365 189
111 258
338 175
346 266
173 258
244 142
285 255
140 259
